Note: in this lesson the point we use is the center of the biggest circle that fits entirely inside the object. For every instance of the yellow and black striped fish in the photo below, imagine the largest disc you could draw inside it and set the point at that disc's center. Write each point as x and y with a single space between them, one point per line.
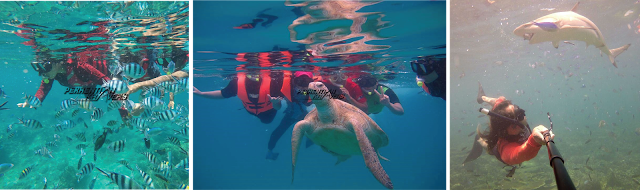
123 181
81 146
26 172
117 146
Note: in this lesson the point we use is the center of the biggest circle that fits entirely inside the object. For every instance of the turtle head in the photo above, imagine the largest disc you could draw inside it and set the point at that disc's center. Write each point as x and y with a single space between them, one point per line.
318 92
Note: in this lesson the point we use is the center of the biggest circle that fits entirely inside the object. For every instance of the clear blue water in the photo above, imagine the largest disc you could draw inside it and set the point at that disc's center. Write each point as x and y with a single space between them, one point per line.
19 79
577 85
230 144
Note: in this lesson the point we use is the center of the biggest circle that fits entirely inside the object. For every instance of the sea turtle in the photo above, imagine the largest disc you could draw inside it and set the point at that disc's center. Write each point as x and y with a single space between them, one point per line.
342 130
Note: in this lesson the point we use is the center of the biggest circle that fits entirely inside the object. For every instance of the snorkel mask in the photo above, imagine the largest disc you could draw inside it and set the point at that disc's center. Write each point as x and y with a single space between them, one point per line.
366 81
42 68
519 116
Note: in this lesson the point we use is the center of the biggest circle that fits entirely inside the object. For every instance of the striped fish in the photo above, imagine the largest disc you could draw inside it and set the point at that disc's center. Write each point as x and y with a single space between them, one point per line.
183 151
30 123
139 123
75 112
51 144
147 113
81 146
123 181
97 114
67 124
146 178
167 115
175 88
117 146
11 135
26 172
67 104
133 70
114 104
125 164
112 123
156 169
153 103
85 104
184 82
152 158
32 101
44 152
81 137
183 186
86 170
183 131
116 86
59 128
183 164
174 140
59 114
155 91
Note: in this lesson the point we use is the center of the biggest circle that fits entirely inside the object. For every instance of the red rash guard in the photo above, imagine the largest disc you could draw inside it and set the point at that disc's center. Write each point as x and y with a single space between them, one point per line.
513 153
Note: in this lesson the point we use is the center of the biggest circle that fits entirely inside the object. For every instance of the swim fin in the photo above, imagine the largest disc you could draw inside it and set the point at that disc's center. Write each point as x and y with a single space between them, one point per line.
476 151
480 93
272 155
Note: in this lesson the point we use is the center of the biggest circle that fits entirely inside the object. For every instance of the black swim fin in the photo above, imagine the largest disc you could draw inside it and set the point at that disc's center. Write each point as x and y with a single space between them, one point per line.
480 93
476 151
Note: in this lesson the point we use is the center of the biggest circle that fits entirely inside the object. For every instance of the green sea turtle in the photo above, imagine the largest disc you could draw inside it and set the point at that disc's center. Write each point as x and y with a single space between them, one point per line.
342 130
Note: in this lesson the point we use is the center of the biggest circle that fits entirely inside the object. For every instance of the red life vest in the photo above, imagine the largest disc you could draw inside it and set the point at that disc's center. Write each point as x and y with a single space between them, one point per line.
264 103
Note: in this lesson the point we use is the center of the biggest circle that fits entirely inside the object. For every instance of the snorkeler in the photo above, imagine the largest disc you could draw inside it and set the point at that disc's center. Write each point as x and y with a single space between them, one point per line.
431 75
296 110
508 138
378 96
70 73
340 83
261 97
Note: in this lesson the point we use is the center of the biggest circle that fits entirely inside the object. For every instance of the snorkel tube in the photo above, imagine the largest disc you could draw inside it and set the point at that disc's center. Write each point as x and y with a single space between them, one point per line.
490 113
563 180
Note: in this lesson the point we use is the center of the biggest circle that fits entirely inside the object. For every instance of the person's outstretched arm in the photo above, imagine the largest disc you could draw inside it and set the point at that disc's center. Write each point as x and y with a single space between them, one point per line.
209 94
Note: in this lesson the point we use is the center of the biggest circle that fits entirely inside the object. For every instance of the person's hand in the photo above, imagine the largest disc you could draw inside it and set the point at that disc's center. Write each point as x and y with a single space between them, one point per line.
24 105
346 93
538 134
196 91
274 99
170 105
384 99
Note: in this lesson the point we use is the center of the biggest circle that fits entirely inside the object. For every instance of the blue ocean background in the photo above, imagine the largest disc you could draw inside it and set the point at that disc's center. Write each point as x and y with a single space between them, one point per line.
230 144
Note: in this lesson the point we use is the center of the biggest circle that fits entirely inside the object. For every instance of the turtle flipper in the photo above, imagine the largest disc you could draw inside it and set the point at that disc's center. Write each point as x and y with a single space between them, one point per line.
296 140
371 157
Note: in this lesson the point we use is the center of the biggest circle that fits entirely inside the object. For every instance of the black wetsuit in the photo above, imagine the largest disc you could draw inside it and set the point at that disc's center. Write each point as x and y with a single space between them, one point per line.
296 111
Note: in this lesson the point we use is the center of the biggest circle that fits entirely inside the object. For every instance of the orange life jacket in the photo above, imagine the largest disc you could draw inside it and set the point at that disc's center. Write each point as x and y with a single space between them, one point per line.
263 104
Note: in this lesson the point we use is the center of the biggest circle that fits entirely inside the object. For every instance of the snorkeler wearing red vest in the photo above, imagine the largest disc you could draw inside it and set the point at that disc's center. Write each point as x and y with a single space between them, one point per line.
510 140
86 67
341 84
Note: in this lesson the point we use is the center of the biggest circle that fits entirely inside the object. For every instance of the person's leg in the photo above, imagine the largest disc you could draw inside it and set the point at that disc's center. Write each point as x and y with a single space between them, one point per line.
284 125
